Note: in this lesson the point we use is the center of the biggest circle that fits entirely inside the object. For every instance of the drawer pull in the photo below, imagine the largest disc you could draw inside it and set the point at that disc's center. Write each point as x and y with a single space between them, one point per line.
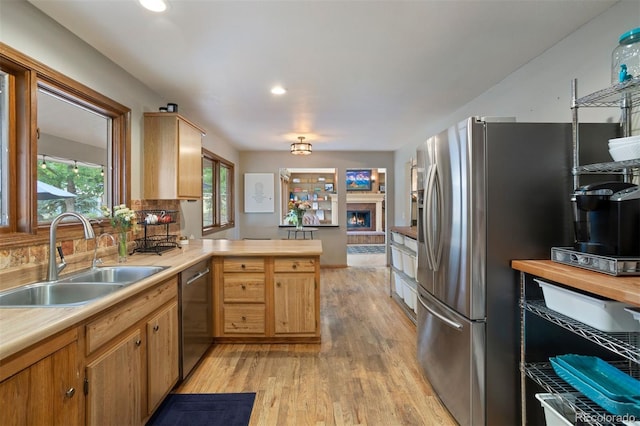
156 328
138 342
243 318
243 266
294 266
244 287
70 393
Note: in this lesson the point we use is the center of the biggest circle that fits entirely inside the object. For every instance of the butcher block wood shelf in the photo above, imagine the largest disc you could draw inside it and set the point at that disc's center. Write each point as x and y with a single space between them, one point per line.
622 288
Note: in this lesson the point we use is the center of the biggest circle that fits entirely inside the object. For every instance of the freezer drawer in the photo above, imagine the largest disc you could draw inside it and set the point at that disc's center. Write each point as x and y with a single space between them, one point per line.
451 351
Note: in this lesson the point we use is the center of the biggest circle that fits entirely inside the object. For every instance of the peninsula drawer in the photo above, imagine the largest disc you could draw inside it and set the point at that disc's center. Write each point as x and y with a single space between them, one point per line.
243 288
294 264
246 319
243 264
127 314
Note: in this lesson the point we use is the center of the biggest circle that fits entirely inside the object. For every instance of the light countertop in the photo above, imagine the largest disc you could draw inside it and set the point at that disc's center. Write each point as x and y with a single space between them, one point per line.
22 327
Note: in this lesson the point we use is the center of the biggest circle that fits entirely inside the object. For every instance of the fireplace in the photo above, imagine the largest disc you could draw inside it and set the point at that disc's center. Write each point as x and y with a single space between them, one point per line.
358 219
361 216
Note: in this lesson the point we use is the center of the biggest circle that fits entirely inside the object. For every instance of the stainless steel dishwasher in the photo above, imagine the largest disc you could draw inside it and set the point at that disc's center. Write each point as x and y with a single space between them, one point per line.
196 328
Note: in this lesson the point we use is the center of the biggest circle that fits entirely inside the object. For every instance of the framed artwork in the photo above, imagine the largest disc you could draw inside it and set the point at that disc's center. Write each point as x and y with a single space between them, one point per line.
328 187
359 180
258 193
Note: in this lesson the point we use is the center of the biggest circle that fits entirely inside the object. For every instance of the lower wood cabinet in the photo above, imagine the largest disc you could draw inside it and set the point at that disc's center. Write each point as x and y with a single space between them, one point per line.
267 298
49 391
132 357
115 390
162 355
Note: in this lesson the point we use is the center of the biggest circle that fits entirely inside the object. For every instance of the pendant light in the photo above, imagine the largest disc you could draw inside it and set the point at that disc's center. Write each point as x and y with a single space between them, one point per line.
301 148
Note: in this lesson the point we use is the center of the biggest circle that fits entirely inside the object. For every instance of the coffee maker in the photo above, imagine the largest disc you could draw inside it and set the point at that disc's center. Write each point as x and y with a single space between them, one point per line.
607 219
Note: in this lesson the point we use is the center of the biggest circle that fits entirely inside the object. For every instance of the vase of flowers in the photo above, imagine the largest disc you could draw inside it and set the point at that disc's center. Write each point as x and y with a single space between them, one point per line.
296 212
122 220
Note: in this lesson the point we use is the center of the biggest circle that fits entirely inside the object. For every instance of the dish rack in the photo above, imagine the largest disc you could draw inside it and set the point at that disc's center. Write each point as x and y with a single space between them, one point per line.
153 241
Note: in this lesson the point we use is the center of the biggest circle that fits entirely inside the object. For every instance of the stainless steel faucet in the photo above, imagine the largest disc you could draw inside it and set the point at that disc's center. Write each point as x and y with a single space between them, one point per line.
95 250
54 268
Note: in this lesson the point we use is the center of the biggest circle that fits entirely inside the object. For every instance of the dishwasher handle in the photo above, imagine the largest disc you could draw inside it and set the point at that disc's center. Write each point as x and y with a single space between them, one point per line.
197 276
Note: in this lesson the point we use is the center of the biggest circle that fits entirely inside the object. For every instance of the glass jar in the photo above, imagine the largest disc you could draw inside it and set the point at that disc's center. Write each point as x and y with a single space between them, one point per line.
625 59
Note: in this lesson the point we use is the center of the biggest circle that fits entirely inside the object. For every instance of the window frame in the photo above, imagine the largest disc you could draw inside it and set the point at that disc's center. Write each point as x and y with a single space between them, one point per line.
217 163
28 75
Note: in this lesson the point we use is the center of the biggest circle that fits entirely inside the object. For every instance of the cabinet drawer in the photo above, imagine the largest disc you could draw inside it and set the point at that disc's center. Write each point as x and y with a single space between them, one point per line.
243 288
243 264
244 319
294 264
114 322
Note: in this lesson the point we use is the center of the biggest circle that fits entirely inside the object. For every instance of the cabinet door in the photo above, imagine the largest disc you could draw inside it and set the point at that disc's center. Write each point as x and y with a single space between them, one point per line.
189 161
115 384
162 355
45 393
294 303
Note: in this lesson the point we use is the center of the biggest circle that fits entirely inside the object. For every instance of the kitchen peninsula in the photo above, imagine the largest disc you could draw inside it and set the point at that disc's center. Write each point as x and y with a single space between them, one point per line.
68 345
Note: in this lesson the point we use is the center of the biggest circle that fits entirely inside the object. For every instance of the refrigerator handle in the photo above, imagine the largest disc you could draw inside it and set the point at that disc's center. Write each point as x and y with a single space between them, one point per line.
437 255
428 200
447 321
430 241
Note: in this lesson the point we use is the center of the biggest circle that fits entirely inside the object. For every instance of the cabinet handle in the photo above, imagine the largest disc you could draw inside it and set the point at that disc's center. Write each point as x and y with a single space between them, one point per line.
244 287
243 318
294 266
156 327
278 284
138 342
70 393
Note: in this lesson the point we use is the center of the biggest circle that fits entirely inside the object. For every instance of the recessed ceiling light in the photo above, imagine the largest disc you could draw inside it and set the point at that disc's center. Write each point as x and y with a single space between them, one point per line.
278 90
154 5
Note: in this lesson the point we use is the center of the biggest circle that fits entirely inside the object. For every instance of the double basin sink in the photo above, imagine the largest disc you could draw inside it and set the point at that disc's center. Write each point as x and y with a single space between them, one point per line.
77 289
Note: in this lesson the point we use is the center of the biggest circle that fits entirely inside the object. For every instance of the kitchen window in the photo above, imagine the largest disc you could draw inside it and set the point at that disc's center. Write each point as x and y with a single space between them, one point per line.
217 193
24 80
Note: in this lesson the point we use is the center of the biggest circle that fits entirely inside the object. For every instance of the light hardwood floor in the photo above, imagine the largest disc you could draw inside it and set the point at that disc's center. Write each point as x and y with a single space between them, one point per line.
363 373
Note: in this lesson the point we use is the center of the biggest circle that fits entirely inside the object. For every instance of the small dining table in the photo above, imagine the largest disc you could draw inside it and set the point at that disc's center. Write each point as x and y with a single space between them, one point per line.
304 231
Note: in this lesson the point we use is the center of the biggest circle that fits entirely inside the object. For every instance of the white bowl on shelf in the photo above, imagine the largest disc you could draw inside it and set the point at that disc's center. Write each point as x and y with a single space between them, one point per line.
624 141
625 152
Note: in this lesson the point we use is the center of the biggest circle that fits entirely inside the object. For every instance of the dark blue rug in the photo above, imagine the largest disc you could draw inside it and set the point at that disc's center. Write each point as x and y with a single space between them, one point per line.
204 409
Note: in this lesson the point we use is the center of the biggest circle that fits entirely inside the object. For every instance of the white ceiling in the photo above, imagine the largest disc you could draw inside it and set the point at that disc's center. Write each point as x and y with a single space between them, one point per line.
360 75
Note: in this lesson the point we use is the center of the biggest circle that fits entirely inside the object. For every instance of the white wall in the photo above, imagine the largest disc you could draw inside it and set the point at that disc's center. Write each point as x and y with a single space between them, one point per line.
334 239
540 91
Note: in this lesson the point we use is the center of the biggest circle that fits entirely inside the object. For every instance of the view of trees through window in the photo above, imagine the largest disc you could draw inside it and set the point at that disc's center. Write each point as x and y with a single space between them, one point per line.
66 185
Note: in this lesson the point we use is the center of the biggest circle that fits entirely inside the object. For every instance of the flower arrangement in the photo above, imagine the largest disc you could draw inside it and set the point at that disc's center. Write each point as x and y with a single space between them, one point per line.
297 208
122 220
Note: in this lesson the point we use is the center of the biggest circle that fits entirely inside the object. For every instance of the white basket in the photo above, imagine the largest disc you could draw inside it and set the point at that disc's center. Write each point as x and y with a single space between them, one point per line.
603 314
396 257
411 244
410 296
397 238
398 284
409 264
555 412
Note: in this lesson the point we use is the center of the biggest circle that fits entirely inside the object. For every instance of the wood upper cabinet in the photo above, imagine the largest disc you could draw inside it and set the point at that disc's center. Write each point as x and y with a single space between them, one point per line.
47 392
172 157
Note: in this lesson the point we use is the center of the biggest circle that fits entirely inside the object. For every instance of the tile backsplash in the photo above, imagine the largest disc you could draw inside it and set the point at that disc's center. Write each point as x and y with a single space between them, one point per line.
25 264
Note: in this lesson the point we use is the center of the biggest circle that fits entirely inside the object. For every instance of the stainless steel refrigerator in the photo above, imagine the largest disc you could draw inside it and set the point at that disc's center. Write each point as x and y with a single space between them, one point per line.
489 192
